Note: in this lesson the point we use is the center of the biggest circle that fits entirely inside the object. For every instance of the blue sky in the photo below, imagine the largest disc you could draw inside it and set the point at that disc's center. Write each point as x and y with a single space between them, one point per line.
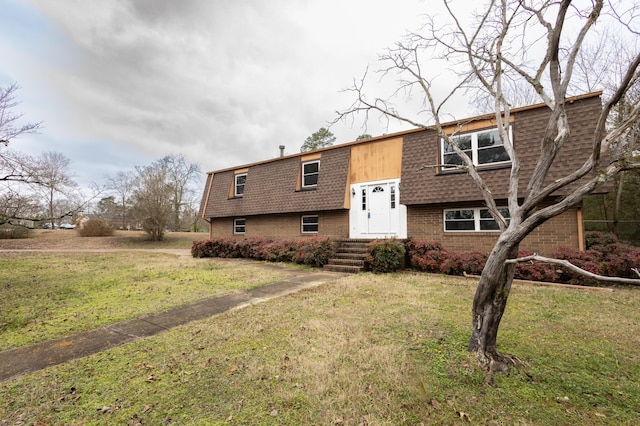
119 83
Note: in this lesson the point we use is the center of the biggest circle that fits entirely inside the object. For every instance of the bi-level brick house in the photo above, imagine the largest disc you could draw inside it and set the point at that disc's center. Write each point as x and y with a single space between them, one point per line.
380 187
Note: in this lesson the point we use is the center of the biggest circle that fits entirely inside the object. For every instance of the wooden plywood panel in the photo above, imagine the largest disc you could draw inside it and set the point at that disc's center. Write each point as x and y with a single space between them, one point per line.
377 160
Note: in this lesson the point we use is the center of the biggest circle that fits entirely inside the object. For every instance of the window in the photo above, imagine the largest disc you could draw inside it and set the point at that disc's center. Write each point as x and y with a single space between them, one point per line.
364 199
473 220
309 224
241 179
484 147
393 196
239 226
310 172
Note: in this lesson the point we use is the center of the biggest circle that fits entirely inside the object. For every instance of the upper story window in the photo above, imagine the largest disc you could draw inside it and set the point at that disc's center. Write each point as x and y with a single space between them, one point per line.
472 220
310 172
483 147
240 180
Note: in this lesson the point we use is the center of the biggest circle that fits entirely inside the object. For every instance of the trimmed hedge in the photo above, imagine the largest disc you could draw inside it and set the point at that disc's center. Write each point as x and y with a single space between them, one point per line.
308 251
605 255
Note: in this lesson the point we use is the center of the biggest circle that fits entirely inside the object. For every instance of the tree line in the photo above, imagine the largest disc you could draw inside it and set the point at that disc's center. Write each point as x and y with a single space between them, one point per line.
40 191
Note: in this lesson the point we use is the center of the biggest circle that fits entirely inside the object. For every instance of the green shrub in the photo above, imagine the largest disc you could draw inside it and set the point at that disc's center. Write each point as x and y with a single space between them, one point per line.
9 232
385 256
95 228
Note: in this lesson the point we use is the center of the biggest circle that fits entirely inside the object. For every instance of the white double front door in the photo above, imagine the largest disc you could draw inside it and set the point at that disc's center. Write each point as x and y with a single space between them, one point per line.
376 211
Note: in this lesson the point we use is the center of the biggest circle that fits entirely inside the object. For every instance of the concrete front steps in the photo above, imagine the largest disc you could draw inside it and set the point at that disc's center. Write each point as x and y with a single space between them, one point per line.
349 257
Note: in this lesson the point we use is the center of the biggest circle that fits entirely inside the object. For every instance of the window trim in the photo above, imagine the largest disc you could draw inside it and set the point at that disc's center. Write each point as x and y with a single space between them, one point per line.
302 174
476 219
474 149
236 226
235 184
302 224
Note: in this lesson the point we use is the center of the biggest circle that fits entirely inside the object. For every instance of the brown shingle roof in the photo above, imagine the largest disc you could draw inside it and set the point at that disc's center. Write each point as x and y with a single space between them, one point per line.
271 188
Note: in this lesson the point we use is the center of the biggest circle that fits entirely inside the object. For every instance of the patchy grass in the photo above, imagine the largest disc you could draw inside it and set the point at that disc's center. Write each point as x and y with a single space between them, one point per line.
366 349
171 240
49 295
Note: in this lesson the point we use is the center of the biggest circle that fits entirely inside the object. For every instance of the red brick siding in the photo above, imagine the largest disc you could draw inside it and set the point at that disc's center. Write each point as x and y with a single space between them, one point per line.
426 223
333 224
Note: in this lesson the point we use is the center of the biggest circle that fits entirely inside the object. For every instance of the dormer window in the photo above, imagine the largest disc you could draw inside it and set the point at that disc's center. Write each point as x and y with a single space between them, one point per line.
310 173
240 180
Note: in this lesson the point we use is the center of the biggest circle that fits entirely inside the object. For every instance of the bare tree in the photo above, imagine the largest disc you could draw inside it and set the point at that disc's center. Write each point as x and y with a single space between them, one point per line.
9 127
152 198
181 174
16 169
122 184
509 43
54 181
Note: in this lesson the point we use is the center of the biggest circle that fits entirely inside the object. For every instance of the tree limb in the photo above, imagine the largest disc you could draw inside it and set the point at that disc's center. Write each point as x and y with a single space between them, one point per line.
575 268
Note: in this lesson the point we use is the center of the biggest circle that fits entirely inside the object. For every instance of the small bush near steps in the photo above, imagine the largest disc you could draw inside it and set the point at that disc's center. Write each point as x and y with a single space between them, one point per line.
385 256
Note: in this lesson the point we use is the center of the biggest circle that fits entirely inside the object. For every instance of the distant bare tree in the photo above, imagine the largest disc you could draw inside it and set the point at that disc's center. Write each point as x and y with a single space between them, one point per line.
152 198
180 174
54 180
533 43
122 184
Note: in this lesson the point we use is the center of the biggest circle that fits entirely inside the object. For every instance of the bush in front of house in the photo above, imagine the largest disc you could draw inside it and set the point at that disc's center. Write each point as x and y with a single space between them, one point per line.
606 256
314 251
463 262
622 264
308 251
95 228
385 256
535 271
425 255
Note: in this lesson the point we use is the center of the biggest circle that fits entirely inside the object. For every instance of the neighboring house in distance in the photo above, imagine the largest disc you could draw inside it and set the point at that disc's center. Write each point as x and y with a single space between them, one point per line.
379 187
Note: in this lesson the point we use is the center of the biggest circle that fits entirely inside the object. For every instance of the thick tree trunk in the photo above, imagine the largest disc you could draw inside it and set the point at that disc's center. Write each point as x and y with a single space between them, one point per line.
489 304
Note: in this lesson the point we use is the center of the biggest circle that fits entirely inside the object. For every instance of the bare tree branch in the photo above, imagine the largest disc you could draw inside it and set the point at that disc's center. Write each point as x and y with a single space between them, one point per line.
574 268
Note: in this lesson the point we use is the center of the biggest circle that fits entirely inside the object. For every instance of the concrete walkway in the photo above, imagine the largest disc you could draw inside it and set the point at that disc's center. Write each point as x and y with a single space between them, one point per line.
29 359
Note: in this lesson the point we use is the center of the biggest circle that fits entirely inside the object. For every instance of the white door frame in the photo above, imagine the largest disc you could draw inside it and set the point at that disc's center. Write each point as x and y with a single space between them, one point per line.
379 223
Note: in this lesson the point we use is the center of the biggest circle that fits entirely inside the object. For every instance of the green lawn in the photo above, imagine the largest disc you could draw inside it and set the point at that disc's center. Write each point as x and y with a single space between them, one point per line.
49 295
366 349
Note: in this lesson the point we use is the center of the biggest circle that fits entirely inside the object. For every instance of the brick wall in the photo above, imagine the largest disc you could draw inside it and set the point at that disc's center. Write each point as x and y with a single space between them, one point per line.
334 224
426 223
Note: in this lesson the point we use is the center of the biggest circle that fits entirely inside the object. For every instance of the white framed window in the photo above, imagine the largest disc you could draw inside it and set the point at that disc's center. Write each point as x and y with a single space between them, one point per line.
239 225
393 196
238 188
309 224
310 173
472 220
483 147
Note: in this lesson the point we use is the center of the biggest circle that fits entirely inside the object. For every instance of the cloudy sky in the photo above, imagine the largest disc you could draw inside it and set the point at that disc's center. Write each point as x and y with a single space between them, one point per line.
120 83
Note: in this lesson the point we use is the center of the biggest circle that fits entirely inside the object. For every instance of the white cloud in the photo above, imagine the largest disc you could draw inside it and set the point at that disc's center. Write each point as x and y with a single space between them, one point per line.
224 83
